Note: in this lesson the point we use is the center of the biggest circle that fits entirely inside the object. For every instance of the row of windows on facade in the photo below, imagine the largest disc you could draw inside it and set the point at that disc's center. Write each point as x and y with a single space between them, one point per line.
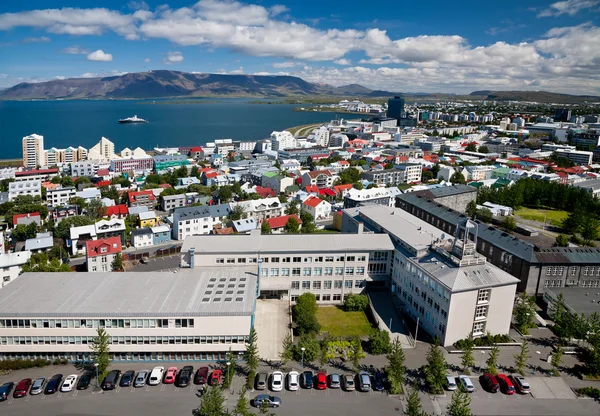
327 284
426 315
126 340
319 271
377 256
323 297
95 323
586 270
121 356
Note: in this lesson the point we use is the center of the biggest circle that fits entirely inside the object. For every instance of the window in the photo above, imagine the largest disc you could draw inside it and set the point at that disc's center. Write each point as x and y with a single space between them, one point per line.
297 259
326 298
360 271
318 259
241 260
306 284
275 272
483 295
339 271
329 258
337 297
478 328
287 259
361 258
307 259
274 259
316 284
348 284
339 258
338 284
285 272
220 261
230 260
264 272
444 313
306 271
359 283
328 271
318 271
327 284
481 312
350 258
295 284
296 271
350 271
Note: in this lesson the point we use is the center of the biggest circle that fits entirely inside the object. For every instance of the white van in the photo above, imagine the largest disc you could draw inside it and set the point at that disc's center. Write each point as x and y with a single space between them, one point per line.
156 376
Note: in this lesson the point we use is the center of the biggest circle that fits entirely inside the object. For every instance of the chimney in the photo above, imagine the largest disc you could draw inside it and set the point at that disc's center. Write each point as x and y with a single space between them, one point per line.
361 228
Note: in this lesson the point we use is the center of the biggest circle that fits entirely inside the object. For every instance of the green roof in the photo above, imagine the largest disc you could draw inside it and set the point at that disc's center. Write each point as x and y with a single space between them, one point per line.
270 174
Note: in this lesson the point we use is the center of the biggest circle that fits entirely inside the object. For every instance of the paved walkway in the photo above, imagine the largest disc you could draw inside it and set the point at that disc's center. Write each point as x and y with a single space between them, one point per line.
272 325
389 319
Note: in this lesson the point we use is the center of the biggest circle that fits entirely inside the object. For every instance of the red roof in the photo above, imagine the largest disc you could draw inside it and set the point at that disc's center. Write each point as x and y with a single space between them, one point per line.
103 172
312 188
313 201
196 149
265 192
210 175
36 171
343 162
340 188
120 209
278 222
327 192
103 183
103 247
30 214
165 185
134 195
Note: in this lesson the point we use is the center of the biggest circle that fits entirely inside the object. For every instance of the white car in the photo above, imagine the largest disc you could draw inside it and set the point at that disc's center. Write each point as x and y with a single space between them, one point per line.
156 376
293 380
68 383
450 382
465 381
277 381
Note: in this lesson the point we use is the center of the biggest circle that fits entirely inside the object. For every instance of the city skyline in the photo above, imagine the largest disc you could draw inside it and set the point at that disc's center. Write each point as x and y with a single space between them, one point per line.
454 48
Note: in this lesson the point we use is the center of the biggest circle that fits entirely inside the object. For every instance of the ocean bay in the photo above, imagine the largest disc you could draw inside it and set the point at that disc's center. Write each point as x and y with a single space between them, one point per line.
75 123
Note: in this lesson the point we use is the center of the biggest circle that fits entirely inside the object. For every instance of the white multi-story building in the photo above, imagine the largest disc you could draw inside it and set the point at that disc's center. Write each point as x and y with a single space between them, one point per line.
104 150
383 196
439 279
330 266
320 136
261 209
7 173
316 207
576 156
87 168
32 188
56 156
11 263
33 151
59 196
198 220
149 316
281 140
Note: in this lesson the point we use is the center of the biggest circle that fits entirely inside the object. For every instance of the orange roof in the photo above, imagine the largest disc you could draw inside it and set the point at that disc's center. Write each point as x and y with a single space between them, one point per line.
134 195
102 247
315 173
313 201
340 188
50 186
278 222
343 162
311 188
102 183
210 175
120 209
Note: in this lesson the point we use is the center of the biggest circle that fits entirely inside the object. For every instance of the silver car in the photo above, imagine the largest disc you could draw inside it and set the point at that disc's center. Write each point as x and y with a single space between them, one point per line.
140 379
38 386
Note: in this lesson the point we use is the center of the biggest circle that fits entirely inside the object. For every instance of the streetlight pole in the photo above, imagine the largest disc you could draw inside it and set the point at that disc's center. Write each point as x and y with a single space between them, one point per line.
302 356
481 366
228 380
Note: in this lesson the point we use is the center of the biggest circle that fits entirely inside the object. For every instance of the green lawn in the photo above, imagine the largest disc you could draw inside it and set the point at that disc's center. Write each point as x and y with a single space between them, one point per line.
552 216
338 323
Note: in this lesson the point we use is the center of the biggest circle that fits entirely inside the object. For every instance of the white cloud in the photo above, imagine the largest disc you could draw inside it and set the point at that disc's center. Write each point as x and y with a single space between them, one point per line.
99 55
569 7
41 39
278 9
286 64
147 60
75 50
173 58
342 62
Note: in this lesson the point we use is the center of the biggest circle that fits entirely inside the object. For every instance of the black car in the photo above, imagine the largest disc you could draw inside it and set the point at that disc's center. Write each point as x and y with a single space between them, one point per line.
127 378
53 384
201 375
84 381
185 376
5 390
307 380
111 380
379 386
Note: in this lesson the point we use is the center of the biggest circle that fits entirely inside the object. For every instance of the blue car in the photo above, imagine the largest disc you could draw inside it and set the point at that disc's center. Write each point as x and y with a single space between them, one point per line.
5 390
379 381
53 384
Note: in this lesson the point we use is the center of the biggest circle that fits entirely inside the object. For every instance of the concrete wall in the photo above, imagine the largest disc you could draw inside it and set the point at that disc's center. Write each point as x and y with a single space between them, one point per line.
457 202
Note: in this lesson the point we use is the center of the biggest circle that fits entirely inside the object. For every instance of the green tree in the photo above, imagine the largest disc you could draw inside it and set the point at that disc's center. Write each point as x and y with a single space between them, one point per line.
63 228
121 180
396 368
265 228
237 213
101 352
194 172
562 241
492 361
435 369
413 404
212 403
292 208
355 352
483 149
251 357
110 193
229 369
292 226
287 349
154 178
117 263
95 209
379 342
560 316
225 194
460 404
435 169
524 312
458 178
308 223
41 262
467 360
312 348
592 336
242 406
20 232
484 215
305 314
355 302
350 175
556 360
471 209
82 180
55 180
589 229
509 223
521 358
471 147
67 182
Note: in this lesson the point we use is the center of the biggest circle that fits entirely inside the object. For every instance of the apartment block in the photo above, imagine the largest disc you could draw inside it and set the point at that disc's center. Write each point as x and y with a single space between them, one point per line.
59 196
33 151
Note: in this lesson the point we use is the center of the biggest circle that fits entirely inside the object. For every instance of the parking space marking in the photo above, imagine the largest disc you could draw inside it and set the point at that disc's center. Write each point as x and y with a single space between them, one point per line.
118 389
76 392
27 398
12 399
43 397
162 387
60 394
147 388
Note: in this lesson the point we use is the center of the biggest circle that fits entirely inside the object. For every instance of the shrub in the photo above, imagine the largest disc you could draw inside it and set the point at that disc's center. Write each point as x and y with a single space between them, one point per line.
485 341
7 365
379 342
589 391
356 302
305 314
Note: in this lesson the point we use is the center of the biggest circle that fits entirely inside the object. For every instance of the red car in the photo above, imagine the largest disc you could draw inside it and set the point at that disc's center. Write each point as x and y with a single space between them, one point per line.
170 376
22 388
505 384
321 381
215 377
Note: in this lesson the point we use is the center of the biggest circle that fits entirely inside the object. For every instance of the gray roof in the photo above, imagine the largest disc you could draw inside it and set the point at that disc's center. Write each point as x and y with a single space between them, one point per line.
187 213
443 191
583 255
584 300
464 278
39 242
243 225
137 210
147 294
142 231
287 243
592 184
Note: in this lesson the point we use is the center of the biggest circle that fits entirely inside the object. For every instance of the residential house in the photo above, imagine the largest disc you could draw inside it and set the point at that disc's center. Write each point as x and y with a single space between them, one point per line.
318 178
196 153
170 202
142 199
31 188
161 234
79 236
26 219
198 220
406 173
59 196
41 242
116 211
137 210
100 254
265 192
60 213
277 224
261 209
142 237
245 225
147 219
342 190
185 182
89 194
276 181
317 207
11 264
111 228
290 165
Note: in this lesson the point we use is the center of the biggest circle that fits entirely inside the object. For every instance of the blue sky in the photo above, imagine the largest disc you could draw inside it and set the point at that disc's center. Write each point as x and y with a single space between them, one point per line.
397 45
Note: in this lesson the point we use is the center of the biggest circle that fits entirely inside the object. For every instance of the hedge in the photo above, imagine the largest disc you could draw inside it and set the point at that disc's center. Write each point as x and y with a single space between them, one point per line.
589 391
485 341
8 365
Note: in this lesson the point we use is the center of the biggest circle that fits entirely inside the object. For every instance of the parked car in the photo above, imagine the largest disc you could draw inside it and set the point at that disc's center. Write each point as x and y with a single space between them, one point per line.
465 381
69 383
5 390
321 381
201 375
185 376
277 381
216 377
53 384
307 380
379 381
140 379
489 383
22 388
348 382
505 384
111 380
84 381
171 375
293 380
38 386
450 382
271 401
335 381
364 381
156 376
520 383
260 381
127 378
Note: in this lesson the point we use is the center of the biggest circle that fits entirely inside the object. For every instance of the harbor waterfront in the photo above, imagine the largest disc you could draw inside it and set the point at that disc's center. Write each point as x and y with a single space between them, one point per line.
64 122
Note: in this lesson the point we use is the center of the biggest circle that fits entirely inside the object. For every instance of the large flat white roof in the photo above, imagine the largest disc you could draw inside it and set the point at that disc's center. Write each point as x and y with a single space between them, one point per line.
146 294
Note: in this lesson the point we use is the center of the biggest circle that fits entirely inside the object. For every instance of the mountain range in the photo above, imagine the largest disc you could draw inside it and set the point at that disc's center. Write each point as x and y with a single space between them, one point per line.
164 83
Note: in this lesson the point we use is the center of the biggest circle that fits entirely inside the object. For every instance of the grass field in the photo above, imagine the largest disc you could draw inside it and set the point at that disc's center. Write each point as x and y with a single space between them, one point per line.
338 323
552 217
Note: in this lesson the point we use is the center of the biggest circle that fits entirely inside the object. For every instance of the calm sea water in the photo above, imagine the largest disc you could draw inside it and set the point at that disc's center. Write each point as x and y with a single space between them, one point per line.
83 122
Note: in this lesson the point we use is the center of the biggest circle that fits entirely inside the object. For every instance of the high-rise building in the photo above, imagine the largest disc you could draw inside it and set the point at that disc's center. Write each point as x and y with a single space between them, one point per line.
562 114
103 150
33 150
396 107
